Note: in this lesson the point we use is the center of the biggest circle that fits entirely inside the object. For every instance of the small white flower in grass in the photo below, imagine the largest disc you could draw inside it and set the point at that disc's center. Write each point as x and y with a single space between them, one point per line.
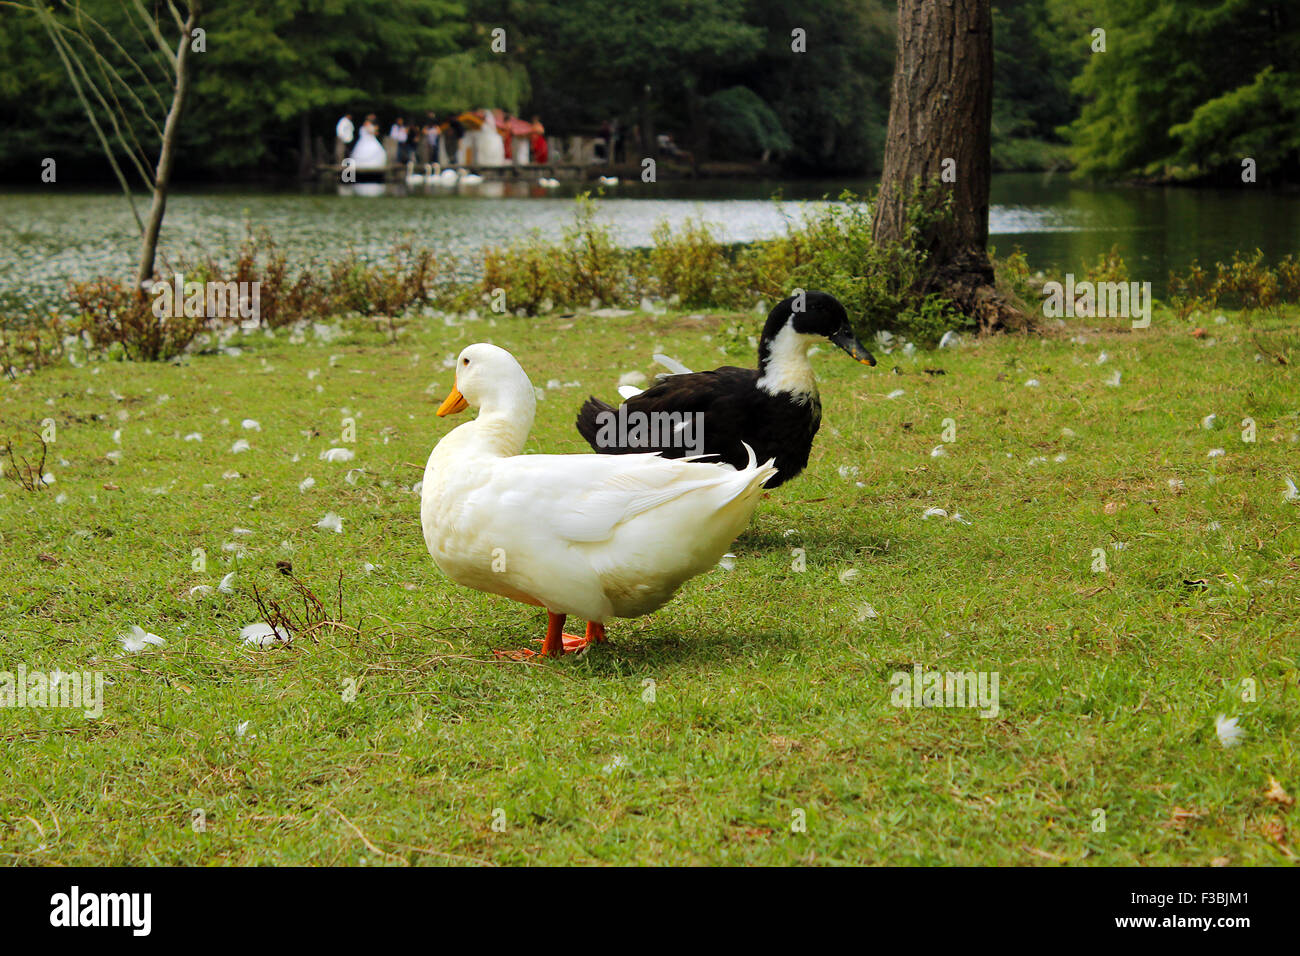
1115 380
933 513
225 586
896 393
938 451
308 482
261 634
728 561
1208 422
137 639
1229 732
1291 493
312 373
849 575
331 522
337 454
1216 453
251 424
194 436
867 613
1033 383
240 446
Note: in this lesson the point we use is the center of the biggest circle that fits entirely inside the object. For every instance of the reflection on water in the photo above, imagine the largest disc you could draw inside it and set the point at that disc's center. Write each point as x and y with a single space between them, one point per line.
1060 225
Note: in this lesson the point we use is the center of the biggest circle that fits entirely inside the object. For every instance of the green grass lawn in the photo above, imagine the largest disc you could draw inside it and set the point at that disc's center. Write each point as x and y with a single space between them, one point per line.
750 720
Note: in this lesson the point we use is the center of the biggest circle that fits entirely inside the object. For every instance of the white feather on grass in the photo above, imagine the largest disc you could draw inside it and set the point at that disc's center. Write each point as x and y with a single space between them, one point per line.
1291 493
331 522
306 483
225 587
337 454
240 446
261 634
1228 730
251 424
137 639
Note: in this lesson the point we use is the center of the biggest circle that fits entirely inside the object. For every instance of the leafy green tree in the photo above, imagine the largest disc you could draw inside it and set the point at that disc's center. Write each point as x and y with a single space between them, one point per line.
833 98
1188 89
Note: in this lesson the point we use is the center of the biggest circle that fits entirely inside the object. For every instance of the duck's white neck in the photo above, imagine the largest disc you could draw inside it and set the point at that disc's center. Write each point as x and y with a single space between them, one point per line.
787 370
504 420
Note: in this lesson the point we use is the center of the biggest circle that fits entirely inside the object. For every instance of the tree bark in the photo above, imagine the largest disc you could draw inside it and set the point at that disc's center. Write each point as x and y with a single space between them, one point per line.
940 115
163 175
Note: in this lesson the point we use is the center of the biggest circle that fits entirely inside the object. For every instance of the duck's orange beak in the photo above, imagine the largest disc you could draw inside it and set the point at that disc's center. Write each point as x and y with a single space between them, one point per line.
453 403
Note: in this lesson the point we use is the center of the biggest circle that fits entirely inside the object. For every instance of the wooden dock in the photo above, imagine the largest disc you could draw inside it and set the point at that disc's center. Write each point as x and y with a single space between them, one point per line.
396 172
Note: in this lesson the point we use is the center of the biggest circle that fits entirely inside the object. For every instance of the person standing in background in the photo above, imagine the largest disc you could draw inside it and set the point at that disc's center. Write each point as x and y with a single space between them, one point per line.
537 147
399 136
344 134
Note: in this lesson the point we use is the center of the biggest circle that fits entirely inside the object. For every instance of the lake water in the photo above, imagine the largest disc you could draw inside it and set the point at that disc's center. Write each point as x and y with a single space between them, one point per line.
50 236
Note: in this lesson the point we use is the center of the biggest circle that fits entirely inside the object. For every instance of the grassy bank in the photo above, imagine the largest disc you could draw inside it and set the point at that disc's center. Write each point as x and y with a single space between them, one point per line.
401 738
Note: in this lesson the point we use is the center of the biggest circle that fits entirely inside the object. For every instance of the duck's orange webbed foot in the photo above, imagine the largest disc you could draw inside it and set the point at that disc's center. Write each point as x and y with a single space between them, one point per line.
558 643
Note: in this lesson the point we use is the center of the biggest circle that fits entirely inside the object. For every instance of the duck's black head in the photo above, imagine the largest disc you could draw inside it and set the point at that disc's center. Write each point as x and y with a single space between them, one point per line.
813 313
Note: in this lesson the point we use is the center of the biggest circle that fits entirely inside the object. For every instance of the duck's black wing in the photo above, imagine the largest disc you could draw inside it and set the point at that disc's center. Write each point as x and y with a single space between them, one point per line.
733 411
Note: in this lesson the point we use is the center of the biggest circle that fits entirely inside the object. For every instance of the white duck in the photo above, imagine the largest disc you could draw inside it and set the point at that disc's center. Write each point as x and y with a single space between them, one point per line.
594 536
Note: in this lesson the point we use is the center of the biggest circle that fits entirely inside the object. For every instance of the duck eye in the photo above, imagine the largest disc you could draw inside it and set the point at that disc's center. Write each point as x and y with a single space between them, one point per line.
464 361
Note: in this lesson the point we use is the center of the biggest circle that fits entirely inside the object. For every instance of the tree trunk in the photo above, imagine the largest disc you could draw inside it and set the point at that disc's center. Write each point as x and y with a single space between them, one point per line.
940 113
649 141
163 176
306 162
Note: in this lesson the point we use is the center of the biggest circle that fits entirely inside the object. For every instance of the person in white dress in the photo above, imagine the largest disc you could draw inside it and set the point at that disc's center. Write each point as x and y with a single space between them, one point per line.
368 153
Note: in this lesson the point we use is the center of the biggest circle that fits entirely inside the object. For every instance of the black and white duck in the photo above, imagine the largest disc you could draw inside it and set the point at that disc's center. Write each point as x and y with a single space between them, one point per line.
775 408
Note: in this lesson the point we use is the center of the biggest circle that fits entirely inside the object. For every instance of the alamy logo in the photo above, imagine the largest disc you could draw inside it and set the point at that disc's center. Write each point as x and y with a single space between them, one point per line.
1125 300
78 690
208 300
946 689
626 428
134 910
